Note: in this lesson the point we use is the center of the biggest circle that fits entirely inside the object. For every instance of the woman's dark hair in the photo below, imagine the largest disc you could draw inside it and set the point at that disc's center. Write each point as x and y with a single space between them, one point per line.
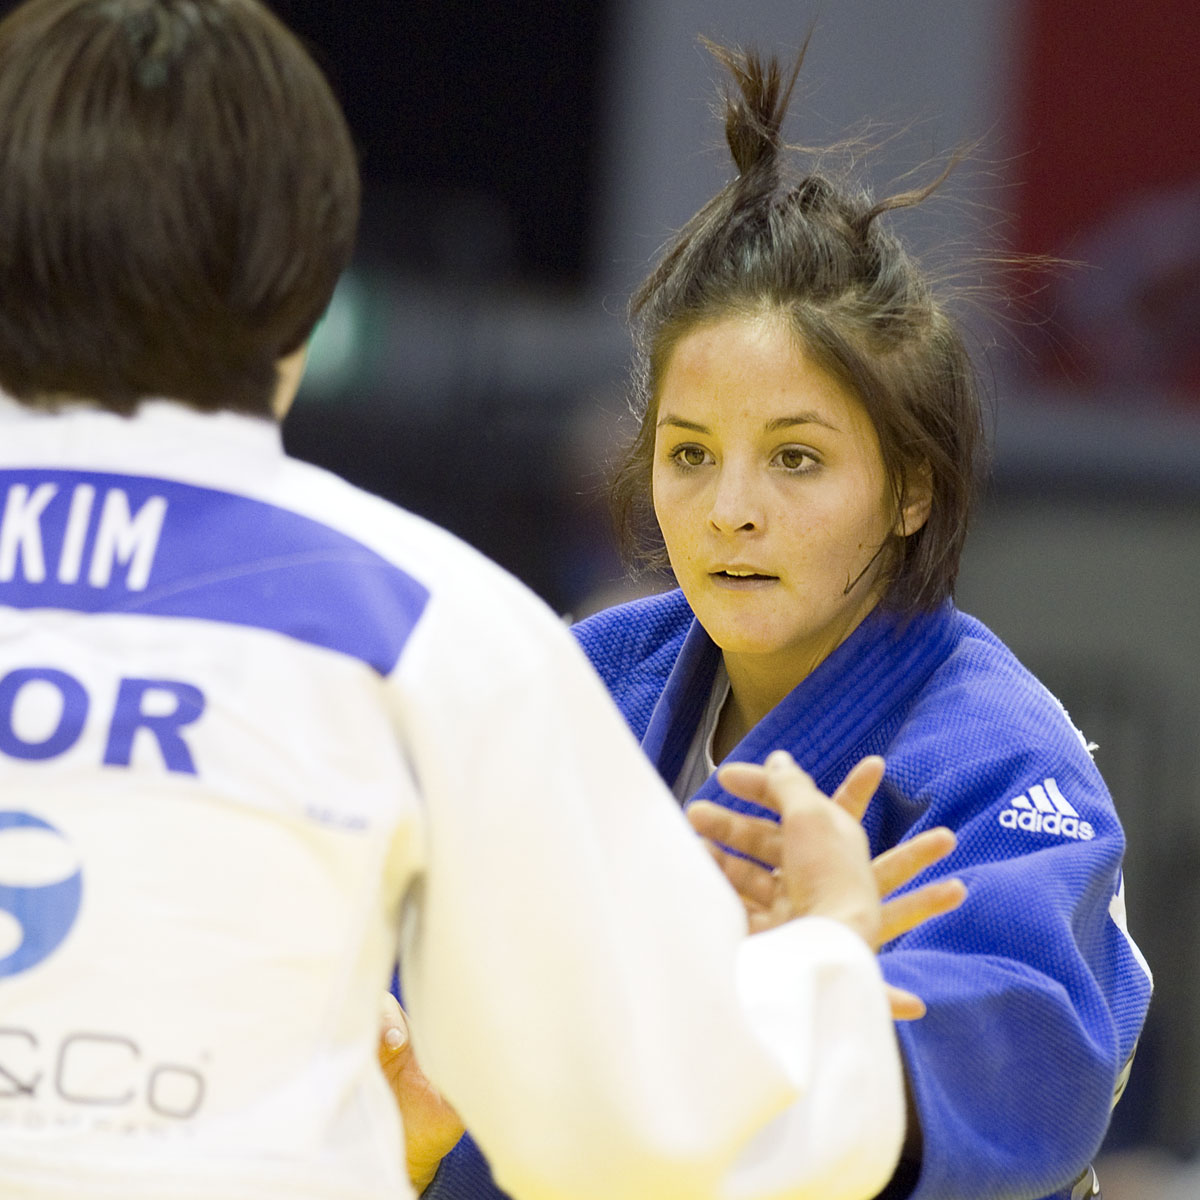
816 252
179 196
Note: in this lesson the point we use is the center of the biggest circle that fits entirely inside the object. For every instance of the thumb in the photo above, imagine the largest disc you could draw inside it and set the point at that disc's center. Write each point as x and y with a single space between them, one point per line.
393 1027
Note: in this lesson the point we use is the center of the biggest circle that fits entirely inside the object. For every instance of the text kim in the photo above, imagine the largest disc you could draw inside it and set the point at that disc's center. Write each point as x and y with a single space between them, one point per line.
87 550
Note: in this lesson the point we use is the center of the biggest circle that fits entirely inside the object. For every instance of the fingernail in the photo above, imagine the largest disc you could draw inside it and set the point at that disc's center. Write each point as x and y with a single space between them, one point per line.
779 758
395 1039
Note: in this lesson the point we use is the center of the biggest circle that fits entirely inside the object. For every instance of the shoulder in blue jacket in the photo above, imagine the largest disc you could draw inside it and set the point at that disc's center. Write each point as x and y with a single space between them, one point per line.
1035 993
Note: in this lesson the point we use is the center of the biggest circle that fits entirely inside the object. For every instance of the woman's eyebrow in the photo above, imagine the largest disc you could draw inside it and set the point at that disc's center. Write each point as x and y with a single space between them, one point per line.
802 418
772 426
680 423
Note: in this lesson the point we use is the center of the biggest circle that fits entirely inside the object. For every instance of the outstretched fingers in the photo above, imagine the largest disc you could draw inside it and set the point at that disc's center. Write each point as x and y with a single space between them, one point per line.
853 794
914 908
749 781
897 866
862 780
826 868
751 851
905 1006
755 884
757 837
905 861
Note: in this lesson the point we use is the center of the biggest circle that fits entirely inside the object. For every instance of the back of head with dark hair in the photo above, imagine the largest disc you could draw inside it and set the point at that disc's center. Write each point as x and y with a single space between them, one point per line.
180 195
815 250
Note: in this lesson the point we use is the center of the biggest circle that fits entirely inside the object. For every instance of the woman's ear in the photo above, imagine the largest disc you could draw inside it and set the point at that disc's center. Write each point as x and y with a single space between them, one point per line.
916 501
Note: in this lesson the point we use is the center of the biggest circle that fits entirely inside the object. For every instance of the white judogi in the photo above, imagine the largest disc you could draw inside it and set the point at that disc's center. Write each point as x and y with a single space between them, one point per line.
258 728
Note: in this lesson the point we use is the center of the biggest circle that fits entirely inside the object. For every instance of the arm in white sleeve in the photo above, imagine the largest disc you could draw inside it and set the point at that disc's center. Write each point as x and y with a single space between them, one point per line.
810 991
581 986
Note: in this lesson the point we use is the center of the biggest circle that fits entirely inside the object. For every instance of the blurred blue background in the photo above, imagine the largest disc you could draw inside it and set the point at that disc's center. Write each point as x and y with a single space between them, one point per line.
523 164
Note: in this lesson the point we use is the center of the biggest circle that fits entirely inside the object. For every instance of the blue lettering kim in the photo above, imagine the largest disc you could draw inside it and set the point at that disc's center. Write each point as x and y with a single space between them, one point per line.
129 716
70 722
217 556
45 912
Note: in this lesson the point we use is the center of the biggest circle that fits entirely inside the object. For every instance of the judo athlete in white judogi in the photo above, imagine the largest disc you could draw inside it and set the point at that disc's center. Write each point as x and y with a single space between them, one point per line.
260 730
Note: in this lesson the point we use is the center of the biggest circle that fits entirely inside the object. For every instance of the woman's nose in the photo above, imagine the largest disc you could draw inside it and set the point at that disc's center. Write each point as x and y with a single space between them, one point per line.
735 504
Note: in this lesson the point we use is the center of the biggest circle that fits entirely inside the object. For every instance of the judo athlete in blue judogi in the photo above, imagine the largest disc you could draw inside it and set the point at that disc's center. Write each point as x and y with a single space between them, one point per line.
806 455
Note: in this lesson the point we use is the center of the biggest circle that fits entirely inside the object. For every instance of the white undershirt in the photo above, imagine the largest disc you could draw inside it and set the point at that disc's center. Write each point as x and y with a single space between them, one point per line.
699 763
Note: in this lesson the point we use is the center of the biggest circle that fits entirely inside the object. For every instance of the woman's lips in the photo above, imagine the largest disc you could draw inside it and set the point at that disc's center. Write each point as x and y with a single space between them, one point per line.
740 579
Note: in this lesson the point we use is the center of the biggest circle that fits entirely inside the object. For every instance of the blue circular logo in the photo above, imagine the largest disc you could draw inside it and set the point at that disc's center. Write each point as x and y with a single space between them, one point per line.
41 886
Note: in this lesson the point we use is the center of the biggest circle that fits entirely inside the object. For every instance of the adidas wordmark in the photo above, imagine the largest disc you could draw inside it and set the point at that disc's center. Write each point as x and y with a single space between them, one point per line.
1046 810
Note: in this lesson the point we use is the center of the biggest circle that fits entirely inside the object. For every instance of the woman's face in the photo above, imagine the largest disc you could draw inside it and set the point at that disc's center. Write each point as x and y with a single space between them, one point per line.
770 491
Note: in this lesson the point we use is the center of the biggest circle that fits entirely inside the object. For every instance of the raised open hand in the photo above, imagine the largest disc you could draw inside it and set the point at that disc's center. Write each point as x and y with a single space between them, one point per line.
753 853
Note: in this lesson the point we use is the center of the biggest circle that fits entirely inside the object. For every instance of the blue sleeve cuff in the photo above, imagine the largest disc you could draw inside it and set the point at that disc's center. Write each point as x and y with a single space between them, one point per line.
463 1174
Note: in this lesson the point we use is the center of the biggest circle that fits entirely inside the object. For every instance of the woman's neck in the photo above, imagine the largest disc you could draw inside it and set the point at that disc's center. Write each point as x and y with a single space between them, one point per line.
759 682
750 698
732 725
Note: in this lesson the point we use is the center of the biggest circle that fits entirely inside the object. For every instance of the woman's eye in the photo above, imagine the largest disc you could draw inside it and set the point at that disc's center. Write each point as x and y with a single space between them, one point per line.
690 456
795 458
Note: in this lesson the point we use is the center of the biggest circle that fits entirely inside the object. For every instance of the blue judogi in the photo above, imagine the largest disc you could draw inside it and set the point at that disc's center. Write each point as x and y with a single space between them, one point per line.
1035 993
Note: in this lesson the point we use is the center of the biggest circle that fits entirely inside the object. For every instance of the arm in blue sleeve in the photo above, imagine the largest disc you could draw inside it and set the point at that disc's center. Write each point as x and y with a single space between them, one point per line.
1035 995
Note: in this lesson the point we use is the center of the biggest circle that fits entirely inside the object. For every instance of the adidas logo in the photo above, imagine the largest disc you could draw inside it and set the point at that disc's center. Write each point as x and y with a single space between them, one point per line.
1046 810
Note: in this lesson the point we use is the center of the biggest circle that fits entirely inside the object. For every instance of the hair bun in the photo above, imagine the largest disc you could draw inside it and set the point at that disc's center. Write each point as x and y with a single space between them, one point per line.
754 115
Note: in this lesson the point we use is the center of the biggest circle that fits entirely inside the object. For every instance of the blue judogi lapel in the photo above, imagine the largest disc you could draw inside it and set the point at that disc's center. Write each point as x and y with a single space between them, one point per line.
842 711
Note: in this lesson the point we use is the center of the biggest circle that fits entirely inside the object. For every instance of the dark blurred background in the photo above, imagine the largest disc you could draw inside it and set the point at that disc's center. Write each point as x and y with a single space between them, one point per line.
523 162
459 359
